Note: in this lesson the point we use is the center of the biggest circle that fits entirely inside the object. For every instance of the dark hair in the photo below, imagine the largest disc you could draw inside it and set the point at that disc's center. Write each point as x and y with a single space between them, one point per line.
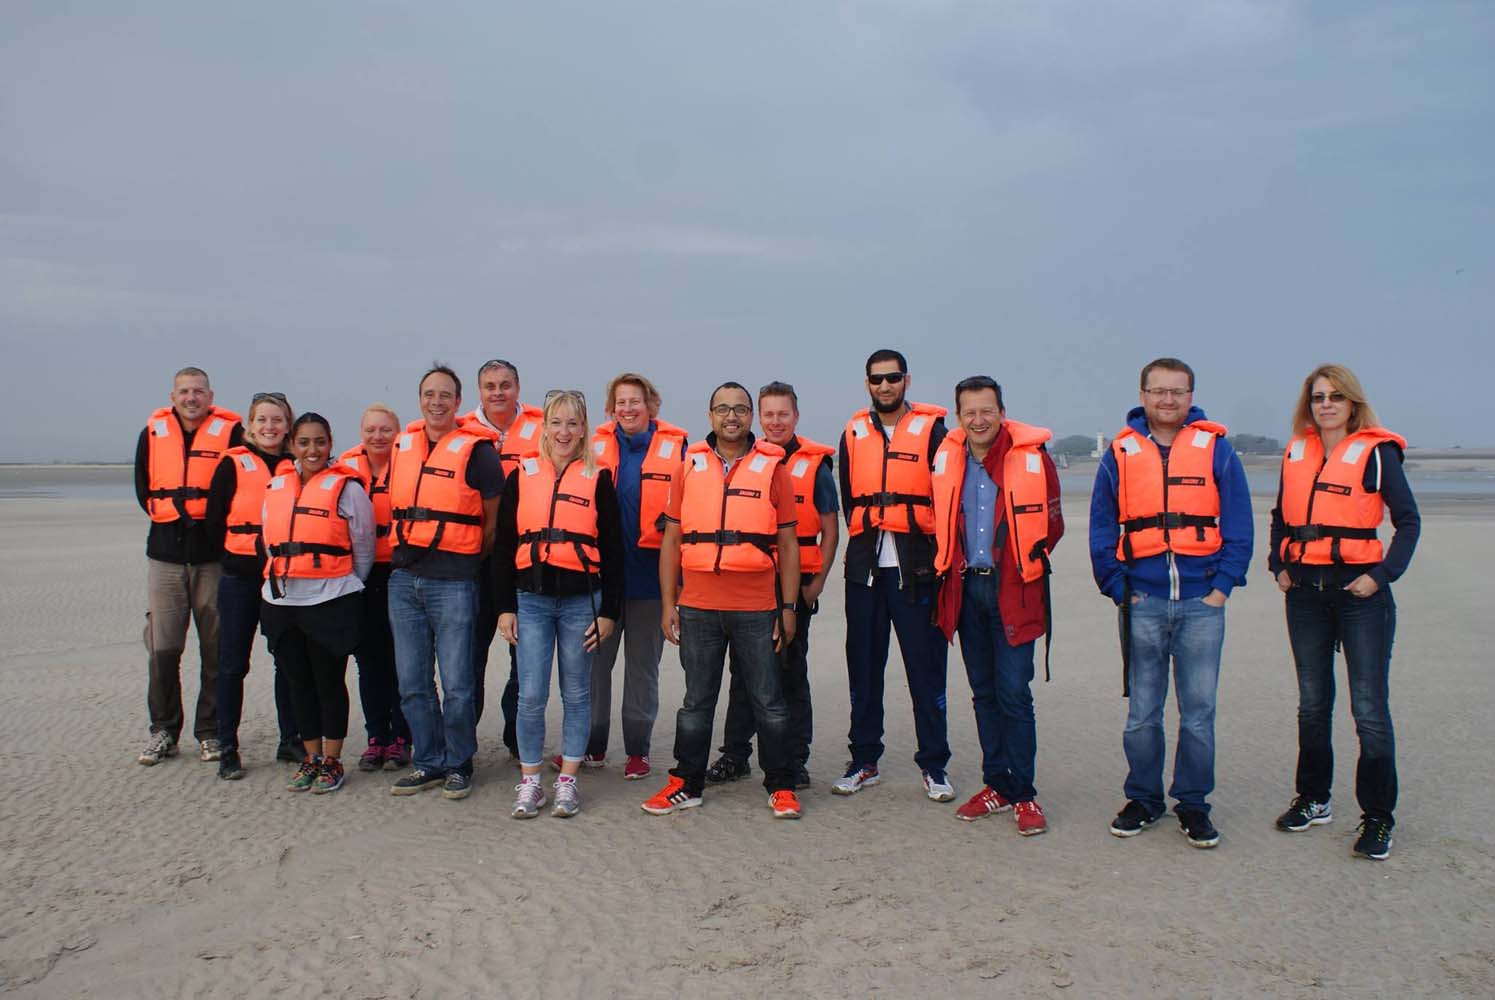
729 385
887 354
194 371
777 388
442 368
496 363
312 417
1168 365
976 383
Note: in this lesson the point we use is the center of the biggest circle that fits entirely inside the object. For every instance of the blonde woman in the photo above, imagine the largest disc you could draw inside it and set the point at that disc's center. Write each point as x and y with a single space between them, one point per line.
558 582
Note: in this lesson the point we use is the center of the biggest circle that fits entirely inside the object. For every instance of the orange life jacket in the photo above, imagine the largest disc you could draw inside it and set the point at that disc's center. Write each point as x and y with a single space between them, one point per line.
431 505
1329 515
181 471
251 475
1025 499
557 518
890 488
357 459
1179 512
666 451
804 466
728 523
521 441
305 537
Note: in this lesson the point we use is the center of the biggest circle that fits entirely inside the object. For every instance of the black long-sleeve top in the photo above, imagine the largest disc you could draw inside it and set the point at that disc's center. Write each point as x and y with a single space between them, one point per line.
220 498
916 550
551 581
181 541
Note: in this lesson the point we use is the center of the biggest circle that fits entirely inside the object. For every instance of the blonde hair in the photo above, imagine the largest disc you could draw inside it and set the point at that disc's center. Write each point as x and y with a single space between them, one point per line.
285 406
577 404
651 394
380 408
1344 380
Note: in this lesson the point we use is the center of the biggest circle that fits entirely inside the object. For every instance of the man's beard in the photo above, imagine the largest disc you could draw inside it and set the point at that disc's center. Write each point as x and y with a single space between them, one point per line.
882 407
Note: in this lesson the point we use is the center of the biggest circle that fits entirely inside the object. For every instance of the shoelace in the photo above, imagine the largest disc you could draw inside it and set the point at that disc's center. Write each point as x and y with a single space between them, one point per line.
1375 828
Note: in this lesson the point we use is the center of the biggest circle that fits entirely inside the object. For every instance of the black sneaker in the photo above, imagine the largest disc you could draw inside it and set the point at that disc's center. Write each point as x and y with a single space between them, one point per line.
1374 841
417 780
1197 828
727 769
290 752
1133 819
456 786
1303 813
801 777
229 766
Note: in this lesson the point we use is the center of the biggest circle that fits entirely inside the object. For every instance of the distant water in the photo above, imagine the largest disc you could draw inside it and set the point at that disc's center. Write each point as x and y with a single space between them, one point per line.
1263 482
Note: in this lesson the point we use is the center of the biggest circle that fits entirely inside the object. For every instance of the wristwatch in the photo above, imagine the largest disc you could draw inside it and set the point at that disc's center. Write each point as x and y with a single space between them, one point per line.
787 606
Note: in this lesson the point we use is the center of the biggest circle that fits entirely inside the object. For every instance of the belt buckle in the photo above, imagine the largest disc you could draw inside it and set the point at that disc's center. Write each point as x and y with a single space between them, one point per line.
980 570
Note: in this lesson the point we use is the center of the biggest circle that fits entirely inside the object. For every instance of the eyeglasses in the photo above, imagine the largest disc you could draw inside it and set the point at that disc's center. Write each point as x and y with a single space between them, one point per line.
1320 398
1161 394
553 393
726 410
892 378
279 397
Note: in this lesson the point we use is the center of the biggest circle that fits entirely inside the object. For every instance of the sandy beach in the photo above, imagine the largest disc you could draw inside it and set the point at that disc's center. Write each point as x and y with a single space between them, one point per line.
124 881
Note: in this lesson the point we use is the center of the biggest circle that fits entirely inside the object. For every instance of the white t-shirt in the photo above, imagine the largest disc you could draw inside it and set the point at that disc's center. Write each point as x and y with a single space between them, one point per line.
887 545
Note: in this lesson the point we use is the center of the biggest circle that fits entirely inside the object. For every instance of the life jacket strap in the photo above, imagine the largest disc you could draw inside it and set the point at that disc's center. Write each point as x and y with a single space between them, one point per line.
892 500
1171 520
1314 532
287 549
243 529
428 514
726 537
556 535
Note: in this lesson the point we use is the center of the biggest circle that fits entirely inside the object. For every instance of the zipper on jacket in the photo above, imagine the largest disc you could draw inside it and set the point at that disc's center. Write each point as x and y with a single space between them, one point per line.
721 524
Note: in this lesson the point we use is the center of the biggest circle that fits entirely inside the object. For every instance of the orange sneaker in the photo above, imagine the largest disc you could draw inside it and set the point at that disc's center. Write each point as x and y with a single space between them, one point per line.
983 803
785 804
1029 816
671 797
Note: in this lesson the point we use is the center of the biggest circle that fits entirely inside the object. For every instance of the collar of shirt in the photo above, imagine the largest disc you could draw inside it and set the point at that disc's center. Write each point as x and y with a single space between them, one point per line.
726 465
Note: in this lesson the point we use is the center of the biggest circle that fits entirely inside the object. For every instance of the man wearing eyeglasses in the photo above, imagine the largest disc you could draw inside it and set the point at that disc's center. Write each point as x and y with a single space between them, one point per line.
1170 537
886 455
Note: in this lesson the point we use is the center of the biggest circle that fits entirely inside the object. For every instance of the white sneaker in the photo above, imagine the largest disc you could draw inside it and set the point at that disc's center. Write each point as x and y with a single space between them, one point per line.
938 787
210 750
160 747
567 799
530 800
856 778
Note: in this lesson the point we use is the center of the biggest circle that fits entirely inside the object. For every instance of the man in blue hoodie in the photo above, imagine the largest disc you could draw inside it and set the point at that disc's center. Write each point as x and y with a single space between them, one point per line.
1170 537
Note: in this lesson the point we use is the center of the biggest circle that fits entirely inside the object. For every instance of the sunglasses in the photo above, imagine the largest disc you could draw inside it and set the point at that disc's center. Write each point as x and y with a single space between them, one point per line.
892 378
279 397
553 393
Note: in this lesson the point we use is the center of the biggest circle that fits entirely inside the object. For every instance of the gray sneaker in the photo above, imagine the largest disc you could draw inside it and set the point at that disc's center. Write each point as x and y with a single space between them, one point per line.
210 750
567 799
530 800
160 747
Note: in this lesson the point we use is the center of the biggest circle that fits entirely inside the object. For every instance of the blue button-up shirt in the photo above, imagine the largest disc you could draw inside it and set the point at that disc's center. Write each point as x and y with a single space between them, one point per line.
978 502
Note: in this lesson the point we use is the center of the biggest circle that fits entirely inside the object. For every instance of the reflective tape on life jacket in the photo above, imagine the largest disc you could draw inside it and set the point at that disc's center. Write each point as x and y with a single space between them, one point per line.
557 518
1024 499
180 470
890 488
304 535
804 465
1330 516
1178 511
666 451
431 505
358 460
251 476
728 522
521 441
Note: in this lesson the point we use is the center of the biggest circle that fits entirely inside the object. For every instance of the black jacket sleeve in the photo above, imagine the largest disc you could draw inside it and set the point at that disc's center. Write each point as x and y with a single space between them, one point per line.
610 546
1406 521
505 544
142 469
220 497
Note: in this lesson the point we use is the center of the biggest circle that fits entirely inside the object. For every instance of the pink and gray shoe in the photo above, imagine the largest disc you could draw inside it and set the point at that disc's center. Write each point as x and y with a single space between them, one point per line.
397 755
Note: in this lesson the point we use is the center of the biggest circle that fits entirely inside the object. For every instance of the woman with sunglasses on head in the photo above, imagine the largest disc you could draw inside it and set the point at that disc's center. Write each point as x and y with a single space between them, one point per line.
319 536
558 583
1341 474
378 685
235 499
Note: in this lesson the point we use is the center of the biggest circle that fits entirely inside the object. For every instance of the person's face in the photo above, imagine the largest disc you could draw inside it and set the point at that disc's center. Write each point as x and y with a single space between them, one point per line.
498 388
887 397
378 432
980 416
311 444
563 428
778 418
439 401
1331 408
731 415
1166 397
191 397
268 427
630 408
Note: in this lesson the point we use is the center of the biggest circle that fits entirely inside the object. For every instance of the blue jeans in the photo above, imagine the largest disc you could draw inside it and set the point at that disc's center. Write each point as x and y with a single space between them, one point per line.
871 613
1189 634
1364 629
433 619
553 628
238 620
1000 675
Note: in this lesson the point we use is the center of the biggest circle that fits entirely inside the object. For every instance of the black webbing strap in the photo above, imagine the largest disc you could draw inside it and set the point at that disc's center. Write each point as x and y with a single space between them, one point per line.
556 535
1042 555
892 500
243 529
760 539
285 550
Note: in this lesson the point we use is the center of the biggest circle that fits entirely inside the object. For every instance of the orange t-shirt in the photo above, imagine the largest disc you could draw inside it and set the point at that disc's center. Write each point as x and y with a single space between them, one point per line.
729 591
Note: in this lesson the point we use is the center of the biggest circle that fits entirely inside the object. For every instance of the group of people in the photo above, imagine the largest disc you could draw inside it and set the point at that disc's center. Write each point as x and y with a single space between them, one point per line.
412 550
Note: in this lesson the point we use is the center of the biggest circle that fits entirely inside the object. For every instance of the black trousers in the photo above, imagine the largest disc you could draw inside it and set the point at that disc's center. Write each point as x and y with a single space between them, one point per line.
794 662
311 644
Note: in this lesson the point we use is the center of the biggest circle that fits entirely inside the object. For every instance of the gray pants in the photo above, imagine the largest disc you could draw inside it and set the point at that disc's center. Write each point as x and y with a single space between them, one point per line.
175 593
643 643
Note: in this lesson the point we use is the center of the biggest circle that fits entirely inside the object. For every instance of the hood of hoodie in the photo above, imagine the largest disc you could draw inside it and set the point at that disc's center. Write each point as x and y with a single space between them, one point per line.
1136 418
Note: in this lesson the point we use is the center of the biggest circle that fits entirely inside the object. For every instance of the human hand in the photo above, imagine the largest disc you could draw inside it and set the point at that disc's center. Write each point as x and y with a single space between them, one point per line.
508 627
1363 585
1284 581
669 623
597 633
1215 598
783 630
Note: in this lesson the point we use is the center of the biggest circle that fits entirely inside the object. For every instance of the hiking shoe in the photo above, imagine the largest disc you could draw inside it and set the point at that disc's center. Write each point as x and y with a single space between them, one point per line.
229 766
1030 820
937 786
330 778
290 751
800 776
637 767
531 798
397 755
785 804
856 778
727 769
1197 828
983 803
588 760
158 748
456 785
306 774
567 798
209 750
1303 813
417 780
671 797
1133 819
373 757
1374 841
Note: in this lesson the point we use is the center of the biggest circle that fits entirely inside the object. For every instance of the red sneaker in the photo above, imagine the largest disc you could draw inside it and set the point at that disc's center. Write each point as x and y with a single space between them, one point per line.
785 804
589 760
636 767
983 803
1029 816
373 757
671 797
397 755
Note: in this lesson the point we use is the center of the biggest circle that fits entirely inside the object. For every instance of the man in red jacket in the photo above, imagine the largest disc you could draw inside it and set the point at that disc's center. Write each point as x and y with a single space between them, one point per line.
997 518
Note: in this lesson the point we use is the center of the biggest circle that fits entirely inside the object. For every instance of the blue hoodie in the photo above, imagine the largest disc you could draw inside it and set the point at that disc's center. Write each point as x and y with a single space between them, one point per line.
1166 575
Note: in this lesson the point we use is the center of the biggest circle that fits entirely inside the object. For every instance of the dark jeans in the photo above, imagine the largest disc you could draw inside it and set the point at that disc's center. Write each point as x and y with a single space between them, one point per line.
378 684
704 640
1364 629
238 620
871 613
311 644
1000 675
794 677
485 627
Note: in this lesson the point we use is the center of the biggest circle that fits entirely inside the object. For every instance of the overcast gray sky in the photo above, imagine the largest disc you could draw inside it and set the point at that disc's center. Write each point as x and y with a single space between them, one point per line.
321 197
